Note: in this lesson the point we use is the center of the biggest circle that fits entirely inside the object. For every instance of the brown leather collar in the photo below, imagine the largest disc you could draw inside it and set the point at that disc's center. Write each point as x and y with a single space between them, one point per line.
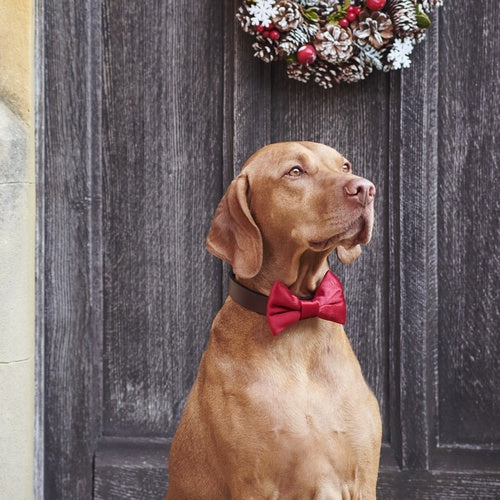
254 301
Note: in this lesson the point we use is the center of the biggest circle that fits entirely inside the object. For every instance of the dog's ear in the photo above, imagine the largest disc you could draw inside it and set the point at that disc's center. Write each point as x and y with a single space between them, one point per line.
348 255
234 236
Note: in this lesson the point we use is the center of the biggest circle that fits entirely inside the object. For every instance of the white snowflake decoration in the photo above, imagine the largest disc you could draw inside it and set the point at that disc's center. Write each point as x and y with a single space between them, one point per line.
400 52
262 11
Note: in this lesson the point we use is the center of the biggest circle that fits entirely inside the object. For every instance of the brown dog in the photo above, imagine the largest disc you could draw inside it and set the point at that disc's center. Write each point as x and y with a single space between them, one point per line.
288 416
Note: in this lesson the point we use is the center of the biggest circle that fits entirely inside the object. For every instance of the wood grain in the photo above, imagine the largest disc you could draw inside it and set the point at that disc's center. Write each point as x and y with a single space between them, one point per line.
131 469
469 211
162 182
414 165
71 248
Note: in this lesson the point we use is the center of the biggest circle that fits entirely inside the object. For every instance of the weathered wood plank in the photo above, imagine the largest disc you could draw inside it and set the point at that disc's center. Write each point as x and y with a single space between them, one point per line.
414 159
71 247
162 177
468 235
131 469
437 485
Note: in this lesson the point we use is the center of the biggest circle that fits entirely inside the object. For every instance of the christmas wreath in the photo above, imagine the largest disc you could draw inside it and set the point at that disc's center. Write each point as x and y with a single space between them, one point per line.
333 41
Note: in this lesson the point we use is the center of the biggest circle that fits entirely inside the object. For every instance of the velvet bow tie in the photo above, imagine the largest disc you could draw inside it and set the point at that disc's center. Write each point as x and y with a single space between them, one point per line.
284 309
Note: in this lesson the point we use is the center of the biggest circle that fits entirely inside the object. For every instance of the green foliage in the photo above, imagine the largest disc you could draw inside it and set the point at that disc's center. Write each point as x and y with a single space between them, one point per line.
423 20
311 15
341 12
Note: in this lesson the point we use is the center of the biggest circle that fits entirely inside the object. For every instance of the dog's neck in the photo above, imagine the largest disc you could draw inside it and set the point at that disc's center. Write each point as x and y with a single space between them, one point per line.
301 272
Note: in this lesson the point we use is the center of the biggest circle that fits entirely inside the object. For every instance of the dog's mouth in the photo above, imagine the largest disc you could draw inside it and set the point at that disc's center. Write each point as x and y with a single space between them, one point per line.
358 232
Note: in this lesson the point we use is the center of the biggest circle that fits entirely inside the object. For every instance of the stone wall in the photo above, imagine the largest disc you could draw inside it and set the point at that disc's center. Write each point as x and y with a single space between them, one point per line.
17 249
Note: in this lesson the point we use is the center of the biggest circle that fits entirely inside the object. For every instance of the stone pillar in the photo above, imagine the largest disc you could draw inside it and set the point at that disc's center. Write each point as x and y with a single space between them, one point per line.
17 250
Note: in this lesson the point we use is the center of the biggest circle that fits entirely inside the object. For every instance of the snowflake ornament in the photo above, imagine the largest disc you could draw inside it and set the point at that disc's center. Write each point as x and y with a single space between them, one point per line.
262 12
399 55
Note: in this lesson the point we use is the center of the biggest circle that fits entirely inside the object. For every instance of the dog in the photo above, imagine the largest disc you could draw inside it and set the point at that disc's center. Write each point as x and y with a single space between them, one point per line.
289 415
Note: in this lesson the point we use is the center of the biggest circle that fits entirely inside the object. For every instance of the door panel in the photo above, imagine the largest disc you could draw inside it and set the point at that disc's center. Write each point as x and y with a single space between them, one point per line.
162 149
468 262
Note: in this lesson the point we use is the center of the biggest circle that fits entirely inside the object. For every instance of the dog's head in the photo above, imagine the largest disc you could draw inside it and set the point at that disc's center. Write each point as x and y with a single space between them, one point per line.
292 197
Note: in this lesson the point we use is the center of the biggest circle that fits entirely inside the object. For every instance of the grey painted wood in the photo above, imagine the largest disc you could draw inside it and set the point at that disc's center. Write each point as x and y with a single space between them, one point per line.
468 374
71 247
131 469
414 167
162 156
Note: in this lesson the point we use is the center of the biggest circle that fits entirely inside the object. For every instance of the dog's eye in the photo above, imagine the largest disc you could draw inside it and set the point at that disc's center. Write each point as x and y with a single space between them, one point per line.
295 172
346 168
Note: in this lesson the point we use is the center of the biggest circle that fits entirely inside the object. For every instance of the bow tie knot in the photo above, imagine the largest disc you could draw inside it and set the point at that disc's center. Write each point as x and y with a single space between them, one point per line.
284 309
309 309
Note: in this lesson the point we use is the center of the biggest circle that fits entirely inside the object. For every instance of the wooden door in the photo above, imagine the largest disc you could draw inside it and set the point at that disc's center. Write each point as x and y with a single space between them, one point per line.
147 109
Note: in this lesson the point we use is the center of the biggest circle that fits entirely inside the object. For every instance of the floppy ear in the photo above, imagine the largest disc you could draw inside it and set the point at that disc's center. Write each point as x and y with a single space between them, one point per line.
348 255
234 236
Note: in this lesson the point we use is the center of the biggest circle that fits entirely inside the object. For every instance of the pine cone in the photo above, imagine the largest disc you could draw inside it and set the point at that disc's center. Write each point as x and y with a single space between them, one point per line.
288 15
328 6
374 28
264 49
290 43
298 71
325 75
334 44
244 20
404 16
429 5
355 69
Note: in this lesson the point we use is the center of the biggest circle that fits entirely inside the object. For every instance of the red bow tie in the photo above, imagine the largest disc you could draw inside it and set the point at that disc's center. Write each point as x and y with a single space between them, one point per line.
284 308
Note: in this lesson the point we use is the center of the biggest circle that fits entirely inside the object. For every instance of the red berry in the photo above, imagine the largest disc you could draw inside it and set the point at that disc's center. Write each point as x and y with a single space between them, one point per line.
274 34
351 16
265 34
259 28
351 8
358 10
344 22
375 4
270 27
306 54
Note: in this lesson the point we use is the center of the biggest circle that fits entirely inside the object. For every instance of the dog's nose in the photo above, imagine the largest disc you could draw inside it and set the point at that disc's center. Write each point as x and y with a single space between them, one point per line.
361 190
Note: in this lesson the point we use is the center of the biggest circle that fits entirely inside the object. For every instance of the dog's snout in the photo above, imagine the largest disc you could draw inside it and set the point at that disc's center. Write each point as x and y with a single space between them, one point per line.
361 190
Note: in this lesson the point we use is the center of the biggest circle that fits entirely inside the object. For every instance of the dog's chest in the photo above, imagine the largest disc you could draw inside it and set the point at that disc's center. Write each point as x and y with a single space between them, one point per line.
308 415
307 396
305 385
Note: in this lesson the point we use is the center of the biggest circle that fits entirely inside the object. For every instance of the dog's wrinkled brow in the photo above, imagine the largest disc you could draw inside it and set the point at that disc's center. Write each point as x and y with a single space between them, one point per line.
299 158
